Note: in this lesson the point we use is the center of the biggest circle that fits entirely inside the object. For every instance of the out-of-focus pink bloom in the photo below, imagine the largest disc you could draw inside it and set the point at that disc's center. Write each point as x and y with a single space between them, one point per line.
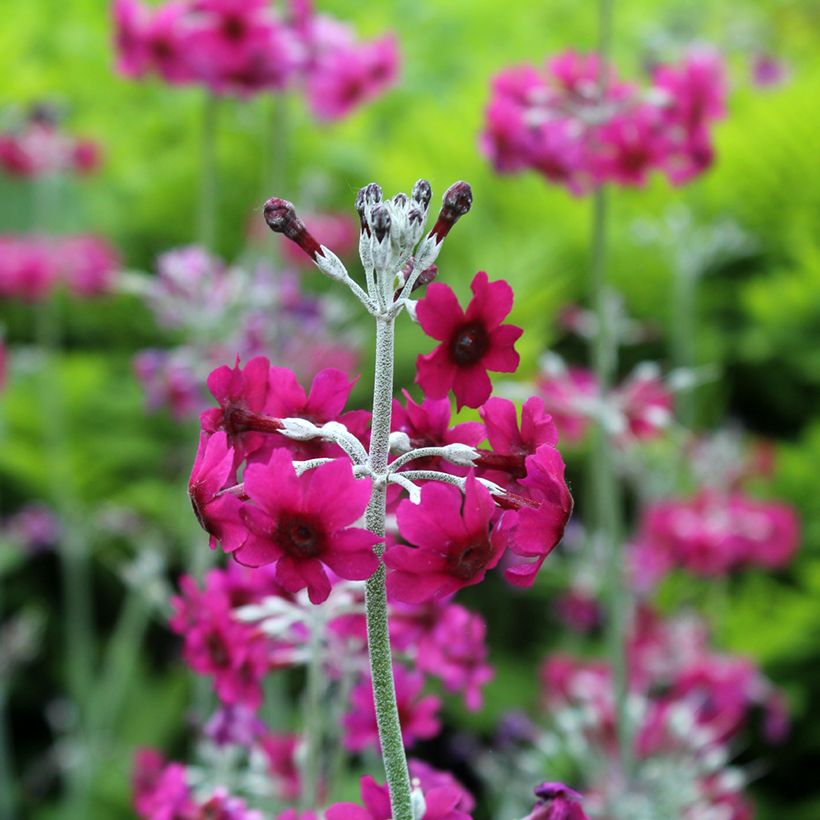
568 396
456 652
578 611
161 790
557 122
343 76
473 341
556 802
333 230
418 715
645 402
35 528
768 71
714 533
234 725
168 383
429 778
32 266
280 751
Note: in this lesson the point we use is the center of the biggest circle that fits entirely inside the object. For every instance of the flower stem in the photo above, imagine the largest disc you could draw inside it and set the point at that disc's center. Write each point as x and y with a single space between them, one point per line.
206 212
7 811
313 715
378 636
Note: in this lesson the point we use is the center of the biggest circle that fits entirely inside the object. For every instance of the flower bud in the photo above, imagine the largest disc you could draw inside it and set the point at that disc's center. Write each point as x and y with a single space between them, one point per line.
281 218
380 220
425 277
360 209
400 200
422 193
373 193
457 201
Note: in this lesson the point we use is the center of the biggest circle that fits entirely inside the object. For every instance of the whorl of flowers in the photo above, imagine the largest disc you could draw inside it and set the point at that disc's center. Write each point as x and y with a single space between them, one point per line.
32 267
578 124
282 476
36 146
244 47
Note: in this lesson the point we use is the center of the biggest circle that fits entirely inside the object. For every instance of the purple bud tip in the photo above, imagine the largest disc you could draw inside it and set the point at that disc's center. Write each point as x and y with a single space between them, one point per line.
400 200
281 218
423 193
425 277
457 201
281 215
373 194
361 201
415 216
555 791
380 220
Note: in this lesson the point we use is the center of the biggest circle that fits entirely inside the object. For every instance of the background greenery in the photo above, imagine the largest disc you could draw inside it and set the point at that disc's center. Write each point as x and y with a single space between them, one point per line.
759 317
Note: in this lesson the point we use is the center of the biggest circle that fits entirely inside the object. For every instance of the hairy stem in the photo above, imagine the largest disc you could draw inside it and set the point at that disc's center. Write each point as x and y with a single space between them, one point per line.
378 636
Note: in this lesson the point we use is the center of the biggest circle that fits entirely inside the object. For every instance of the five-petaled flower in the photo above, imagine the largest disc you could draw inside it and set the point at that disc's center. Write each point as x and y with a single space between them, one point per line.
303 524
473 341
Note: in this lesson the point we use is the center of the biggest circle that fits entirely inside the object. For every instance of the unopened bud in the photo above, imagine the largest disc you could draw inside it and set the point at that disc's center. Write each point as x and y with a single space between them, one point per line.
373 193
400 200
457 201
425 277
380 220
360 209
422 193
415 217
281 218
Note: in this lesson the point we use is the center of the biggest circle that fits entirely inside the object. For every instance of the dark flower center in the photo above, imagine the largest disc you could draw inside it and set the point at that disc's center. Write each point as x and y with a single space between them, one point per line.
300 538
233 27
470 343
471 560
217 651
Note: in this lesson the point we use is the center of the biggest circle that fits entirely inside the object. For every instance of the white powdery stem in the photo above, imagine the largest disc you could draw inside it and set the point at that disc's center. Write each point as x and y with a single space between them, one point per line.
447 478
460 454
378 636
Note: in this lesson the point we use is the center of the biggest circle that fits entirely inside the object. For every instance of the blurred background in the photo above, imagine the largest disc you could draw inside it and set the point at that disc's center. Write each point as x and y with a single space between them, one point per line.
98 426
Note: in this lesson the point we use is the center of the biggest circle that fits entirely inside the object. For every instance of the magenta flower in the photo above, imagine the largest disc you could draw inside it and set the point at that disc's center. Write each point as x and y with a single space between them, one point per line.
456 652
418 715
473 341
303 524
217 512
568 395
161 790
556 802
242 395
428 425
452 543
280 750
532 530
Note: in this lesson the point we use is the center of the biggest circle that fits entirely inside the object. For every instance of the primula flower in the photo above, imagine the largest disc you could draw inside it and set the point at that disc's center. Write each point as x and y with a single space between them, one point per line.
217 512
569 394
428 425
473 341
418 715
534 529
556 802
456 652
453 546
302 524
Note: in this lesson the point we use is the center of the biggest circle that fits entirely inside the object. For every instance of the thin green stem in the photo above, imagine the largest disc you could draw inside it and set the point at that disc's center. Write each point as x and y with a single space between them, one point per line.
607 501
684 322
208 187
7 810
378 636
311 770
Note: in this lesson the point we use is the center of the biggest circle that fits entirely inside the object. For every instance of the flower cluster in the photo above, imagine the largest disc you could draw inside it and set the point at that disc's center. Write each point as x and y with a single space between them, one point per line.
638 409
33 529
689 703
243 47
713 533
580 125
36 147
31 267
221 311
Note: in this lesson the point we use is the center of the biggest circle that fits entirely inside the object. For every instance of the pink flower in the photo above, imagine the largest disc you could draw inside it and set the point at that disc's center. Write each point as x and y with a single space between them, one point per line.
242 394
27 268
343 75
428 425
646 403
567 395
281 753
302 524
429 779
456 652
88 264
578 611
161 790
453 546
217 512
473 341
418 715
532 530
556 802
131 20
